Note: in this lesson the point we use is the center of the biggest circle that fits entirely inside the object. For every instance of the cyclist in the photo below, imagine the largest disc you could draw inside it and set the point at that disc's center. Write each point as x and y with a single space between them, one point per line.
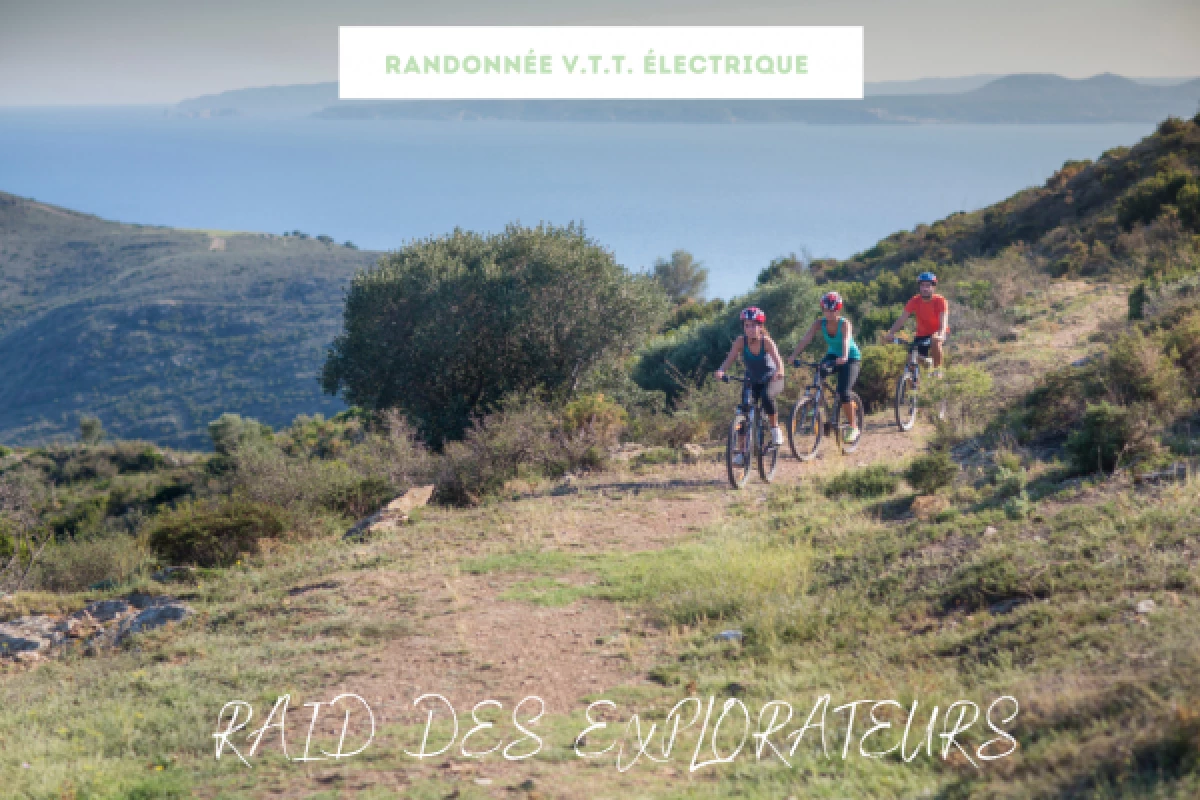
933 321
841 351
764 367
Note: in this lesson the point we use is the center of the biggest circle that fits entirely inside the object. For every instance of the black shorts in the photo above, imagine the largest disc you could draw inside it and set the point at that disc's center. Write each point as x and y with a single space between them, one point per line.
847 374
923 344
760 393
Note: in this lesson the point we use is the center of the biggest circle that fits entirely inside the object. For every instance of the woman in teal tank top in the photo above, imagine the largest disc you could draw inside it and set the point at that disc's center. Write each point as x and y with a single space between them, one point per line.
840 349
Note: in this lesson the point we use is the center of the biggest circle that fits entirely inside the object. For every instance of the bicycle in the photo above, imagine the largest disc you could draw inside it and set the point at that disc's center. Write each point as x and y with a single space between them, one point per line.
817 412
747 432
906 384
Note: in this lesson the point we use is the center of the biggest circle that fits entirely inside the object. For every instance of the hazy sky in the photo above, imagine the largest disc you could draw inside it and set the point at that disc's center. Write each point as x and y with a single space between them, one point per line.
68 52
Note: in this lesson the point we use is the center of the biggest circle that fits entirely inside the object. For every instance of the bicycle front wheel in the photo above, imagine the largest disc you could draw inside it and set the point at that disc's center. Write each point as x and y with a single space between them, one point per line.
768 454
804 429
737 452
906 401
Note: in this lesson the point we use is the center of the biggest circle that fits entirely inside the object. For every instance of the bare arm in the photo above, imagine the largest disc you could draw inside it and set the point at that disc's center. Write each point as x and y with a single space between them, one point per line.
849 331
729 359
943 323
891 334
803 343
773 351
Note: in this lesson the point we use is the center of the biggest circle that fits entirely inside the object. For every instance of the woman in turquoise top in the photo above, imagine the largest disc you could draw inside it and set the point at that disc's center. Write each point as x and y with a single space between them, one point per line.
839 349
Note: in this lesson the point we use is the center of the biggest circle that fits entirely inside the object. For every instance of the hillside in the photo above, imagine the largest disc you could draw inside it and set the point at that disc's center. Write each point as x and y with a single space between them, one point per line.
158 331
1077 222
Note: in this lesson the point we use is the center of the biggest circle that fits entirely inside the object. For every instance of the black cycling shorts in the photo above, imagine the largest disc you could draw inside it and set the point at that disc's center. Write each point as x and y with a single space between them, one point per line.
847 374
760 393
923 343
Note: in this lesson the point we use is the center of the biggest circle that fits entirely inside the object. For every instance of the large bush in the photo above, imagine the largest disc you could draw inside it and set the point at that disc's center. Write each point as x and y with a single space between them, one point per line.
214 534
445 328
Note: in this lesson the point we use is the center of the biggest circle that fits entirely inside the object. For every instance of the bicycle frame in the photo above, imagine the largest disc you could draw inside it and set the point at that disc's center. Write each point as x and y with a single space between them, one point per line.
817 389
747 437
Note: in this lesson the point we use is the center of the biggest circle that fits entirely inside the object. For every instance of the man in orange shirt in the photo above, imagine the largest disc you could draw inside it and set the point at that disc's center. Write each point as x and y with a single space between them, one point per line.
933 320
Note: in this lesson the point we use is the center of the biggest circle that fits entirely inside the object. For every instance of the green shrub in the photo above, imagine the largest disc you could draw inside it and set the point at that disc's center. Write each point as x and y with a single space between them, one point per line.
656 456
231 430
1008 482
1017 506
1184 344
1137 371
524 437
1110 436
930 472
214 534
1145 201
977 585
873 481
1008 460
361 497
595 417
72 566
881 366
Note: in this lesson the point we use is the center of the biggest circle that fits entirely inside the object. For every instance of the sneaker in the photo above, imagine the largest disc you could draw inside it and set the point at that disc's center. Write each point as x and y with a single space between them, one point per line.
851 436
926 361
776 436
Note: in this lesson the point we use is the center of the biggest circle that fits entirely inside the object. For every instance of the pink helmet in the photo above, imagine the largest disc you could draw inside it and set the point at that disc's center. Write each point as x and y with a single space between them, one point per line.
754 314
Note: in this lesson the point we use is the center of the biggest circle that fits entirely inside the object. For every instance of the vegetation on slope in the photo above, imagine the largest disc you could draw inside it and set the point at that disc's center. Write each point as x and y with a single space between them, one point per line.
158 331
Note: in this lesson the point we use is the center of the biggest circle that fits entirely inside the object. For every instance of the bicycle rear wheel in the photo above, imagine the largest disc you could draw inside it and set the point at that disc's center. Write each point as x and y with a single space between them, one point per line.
860 422
804 429
906 402
768 454
737 449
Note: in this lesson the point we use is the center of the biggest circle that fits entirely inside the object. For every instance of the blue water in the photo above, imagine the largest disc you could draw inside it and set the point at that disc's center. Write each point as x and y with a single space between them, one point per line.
734 195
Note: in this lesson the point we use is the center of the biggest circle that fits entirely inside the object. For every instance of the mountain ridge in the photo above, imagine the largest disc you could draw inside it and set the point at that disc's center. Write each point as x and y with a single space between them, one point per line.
1022 98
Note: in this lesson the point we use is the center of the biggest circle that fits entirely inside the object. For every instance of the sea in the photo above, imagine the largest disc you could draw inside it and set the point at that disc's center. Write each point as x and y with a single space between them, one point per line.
734 195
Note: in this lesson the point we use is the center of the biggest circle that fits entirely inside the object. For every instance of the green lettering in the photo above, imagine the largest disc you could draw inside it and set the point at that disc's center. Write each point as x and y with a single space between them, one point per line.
412 66
432 64
393 65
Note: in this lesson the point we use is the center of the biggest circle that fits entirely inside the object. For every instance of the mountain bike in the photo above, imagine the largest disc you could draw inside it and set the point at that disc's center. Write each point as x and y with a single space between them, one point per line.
818 412
906 384
748 432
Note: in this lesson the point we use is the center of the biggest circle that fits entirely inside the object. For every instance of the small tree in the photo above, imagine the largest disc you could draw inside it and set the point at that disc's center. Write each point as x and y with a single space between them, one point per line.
445 328
232 430
683 278
91 431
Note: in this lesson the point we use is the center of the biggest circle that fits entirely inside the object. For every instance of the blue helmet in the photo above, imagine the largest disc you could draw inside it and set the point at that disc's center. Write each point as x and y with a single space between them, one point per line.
927 276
